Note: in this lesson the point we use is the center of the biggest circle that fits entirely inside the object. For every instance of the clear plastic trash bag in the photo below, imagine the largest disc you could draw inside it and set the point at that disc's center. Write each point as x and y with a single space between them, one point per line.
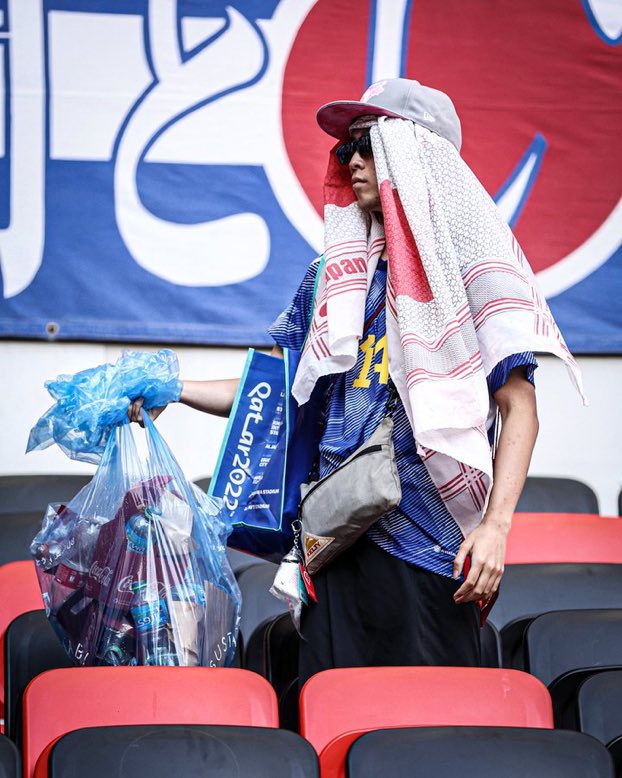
133 570
92 402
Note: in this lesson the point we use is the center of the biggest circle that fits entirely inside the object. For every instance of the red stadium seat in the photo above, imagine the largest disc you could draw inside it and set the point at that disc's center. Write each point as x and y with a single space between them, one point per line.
564 538
19 593
59 701
336 706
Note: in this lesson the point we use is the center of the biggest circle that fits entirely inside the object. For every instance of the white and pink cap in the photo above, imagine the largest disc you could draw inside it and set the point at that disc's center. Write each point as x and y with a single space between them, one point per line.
399 98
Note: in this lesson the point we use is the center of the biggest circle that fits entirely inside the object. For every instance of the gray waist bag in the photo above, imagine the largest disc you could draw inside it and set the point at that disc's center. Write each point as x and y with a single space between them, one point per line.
339 508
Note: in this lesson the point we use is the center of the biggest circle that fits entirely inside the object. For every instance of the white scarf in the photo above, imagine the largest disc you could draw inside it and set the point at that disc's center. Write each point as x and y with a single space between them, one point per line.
461 297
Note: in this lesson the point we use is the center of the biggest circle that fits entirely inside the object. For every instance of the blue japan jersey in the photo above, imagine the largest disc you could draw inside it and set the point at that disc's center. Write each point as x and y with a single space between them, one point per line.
420 530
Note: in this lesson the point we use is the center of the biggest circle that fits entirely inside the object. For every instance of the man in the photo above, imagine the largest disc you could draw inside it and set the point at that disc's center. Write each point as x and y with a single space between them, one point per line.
424 285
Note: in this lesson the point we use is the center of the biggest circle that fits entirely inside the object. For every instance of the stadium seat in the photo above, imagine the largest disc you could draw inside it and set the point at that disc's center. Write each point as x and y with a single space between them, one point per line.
19 592
562 648
258 604
336 706
485 752
272 651
615 750
490 640
30 647
557 495
240 560
59 701
599 706
555 541
33 493
161 751
16 533
537 538
23 501
10 762
530 589
203 483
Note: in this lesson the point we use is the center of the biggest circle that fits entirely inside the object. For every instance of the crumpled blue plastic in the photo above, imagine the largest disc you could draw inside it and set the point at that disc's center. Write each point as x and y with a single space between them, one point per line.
89 404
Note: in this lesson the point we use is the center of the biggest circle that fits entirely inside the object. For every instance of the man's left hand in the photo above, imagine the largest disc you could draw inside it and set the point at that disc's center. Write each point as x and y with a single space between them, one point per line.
486 547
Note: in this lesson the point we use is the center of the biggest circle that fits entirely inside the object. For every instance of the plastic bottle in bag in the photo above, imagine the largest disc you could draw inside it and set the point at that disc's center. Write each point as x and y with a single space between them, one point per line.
149 609
50 542
118 642
153 627
76 560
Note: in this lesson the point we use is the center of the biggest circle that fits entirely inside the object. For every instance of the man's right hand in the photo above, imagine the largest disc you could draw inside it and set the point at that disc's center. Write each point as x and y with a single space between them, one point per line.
135 411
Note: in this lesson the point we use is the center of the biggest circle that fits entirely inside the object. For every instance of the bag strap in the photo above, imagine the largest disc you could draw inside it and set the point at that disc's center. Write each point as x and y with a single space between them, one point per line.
392 396
392 399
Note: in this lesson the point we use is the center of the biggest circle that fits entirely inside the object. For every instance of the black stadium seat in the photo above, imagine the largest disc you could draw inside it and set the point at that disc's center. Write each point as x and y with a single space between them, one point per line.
240 560
16 533
203 483
23 500
562 648
556 495
491 645
272 651
30 647
485 752
32 493
615 750
10 762
528 590
599 706
165 750
258 605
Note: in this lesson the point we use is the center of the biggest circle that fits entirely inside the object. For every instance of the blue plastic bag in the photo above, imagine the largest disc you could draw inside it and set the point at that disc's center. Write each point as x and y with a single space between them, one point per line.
90 403
268 450
133 570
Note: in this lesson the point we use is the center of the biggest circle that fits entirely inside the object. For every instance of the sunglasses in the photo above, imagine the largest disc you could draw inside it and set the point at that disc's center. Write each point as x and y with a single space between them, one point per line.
346 151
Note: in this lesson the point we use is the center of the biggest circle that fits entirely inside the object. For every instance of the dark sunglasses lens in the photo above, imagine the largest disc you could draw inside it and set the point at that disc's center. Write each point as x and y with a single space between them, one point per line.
363 145
345 152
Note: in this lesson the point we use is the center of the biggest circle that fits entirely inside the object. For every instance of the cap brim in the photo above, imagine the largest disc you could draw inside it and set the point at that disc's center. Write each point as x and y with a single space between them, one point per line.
336 118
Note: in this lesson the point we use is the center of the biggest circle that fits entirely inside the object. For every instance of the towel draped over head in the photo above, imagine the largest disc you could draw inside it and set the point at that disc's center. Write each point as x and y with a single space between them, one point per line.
461 297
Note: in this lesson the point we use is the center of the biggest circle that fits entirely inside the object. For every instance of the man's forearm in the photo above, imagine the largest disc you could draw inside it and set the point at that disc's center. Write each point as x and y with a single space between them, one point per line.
486 543
214 397
516 443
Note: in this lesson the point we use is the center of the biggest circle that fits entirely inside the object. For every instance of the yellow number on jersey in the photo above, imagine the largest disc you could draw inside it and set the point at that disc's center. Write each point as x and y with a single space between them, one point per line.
371 349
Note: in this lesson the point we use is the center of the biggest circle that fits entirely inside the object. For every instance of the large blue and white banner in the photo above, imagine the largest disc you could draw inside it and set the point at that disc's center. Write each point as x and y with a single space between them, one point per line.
161 171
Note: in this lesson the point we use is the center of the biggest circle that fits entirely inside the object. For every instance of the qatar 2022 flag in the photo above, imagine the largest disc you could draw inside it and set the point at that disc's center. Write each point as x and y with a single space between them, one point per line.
161 169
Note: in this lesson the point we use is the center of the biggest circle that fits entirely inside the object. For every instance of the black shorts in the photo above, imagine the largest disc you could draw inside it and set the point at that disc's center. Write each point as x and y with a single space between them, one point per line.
374 609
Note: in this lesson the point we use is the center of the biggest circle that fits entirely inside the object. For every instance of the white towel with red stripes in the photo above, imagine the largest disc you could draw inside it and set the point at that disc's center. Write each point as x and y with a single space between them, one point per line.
461 297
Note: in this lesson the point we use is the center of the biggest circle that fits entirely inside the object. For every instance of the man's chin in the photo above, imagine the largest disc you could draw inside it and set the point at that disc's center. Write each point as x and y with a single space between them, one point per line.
369 204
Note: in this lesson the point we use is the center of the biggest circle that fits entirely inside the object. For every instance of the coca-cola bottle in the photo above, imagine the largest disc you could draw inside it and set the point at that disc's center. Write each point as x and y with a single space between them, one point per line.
70 605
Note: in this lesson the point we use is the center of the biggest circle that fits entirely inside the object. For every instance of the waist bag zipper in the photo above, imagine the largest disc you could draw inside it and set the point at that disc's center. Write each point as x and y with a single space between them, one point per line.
370 450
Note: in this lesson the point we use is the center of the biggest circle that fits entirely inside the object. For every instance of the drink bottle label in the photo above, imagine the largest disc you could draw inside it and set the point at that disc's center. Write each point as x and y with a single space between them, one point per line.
150 616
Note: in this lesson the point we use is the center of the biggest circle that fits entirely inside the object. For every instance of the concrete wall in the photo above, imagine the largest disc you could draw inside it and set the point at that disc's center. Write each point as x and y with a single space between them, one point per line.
575 442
